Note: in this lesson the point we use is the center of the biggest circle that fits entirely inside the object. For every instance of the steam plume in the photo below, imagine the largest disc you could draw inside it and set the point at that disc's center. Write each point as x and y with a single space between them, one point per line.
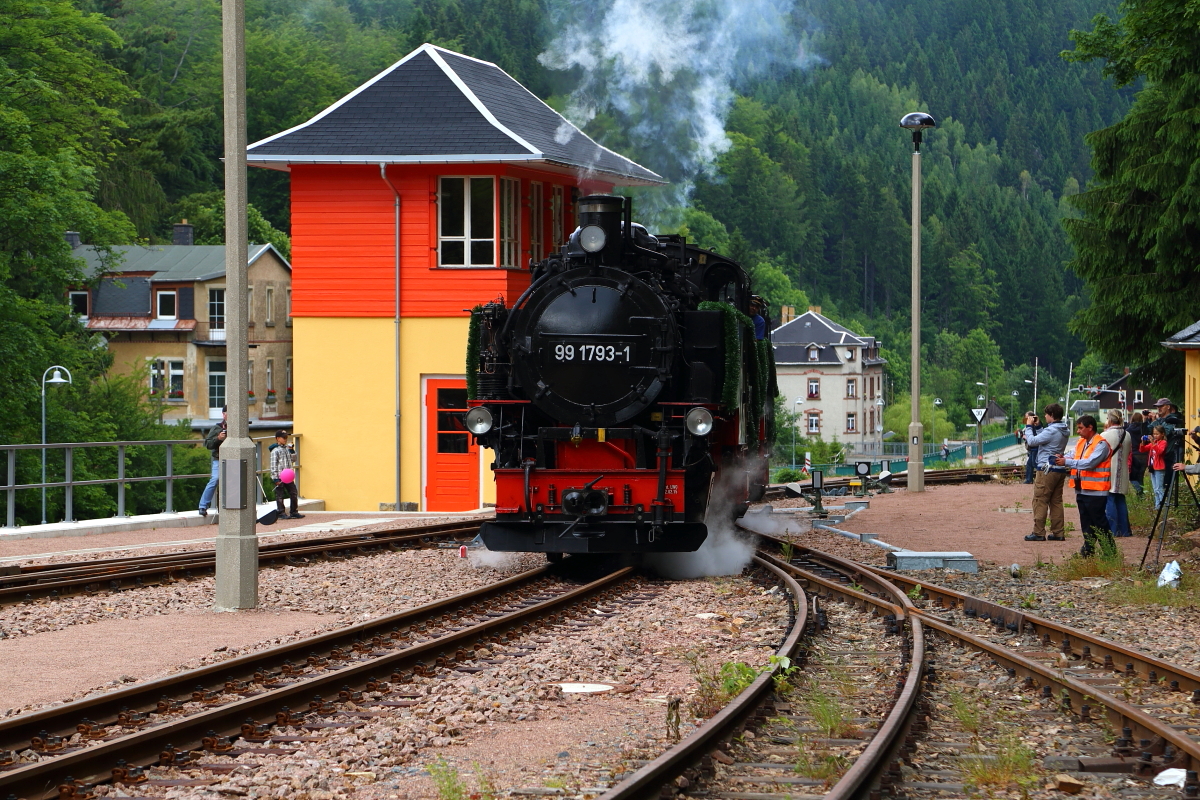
668 71
726 551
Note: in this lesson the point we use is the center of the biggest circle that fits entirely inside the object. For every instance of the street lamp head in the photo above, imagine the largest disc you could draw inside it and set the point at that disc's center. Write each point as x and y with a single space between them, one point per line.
57 378
1028 381
916 122
980 383
1015 393
937 401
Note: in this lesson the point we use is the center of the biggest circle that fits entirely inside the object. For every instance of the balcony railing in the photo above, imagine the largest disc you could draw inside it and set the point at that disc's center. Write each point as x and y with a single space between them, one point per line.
68 484
209 332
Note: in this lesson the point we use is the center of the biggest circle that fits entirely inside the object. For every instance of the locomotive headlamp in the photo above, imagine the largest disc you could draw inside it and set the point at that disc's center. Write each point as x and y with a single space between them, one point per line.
479 420
699 422
592 238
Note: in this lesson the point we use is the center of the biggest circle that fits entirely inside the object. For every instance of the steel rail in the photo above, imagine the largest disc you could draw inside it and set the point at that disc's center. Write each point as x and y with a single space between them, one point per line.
15 732
647 782
868 773
1064 635
65 580
94 764
1073 682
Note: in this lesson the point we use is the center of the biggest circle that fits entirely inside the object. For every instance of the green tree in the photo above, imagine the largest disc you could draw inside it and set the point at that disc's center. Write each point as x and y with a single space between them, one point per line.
1138 240
206 211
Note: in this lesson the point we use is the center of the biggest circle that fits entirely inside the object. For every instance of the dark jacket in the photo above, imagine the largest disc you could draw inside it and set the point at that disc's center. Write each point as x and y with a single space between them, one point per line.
211 441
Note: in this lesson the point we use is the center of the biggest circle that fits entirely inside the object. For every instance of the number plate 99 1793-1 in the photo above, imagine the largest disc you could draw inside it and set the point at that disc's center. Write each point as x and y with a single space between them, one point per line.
620 353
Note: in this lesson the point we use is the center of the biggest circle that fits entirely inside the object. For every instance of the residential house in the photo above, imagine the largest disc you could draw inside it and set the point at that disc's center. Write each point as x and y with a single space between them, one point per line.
162 310
1188 342
1127 393
428 190
832 378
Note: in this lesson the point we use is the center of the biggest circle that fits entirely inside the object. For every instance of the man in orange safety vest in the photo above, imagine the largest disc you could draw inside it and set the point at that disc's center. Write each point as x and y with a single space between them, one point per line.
1091 475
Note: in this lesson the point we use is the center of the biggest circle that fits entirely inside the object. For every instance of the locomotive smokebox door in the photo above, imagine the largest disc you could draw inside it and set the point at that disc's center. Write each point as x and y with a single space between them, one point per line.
595 346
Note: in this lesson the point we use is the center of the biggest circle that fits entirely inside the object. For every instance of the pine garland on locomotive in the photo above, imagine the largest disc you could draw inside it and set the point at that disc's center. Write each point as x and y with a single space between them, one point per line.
623 393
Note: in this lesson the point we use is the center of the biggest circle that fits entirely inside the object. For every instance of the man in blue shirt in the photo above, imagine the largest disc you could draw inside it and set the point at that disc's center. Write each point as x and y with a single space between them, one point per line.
1051 442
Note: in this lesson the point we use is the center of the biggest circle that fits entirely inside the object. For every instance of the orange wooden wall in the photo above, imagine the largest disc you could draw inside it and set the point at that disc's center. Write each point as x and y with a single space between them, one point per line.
343 239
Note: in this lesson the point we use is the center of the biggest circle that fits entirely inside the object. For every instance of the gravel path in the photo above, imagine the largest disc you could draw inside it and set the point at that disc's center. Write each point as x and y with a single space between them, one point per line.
508 724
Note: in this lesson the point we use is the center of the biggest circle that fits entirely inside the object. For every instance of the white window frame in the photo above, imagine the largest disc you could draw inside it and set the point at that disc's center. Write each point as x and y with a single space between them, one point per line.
214 411
270 298
287 365
250 305
158 298
537 221
851 422
216 298
288 293
510 223
814 388
250 379
852 388
170 367
814 354
813 422
270 376
1138 397
466 239
849 353
557 198
87 302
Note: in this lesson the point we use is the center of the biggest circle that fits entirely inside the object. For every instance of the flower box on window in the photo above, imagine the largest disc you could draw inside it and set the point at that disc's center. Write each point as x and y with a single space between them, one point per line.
287 395
250 398
271 397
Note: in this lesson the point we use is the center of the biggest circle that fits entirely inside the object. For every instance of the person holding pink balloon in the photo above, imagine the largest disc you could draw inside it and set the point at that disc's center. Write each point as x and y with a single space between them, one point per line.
283 472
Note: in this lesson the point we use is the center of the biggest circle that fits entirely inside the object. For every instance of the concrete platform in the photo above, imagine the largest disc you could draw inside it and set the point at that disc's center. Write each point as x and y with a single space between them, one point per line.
92 527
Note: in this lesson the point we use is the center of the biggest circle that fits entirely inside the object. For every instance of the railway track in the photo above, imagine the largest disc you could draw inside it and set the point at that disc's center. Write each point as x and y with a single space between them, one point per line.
286 694
34 581
1132 715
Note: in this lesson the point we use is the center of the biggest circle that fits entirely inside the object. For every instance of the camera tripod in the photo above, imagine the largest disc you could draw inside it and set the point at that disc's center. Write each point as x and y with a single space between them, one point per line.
1170 498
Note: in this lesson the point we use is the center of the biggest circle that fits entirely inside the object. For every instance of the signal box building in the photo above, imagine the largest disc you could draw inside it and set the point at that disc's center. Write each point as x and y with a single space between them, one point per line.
426 191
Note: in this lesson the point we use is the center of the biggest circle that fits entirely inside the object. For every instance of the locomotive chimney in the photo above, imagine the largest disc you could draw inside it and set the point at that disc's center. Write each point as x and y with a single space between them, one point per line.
600 225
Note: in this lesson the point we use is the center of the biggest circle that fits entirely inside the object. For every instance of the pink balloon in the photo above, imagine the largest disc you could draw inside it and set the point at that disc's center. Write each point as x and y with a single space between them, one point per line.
287 475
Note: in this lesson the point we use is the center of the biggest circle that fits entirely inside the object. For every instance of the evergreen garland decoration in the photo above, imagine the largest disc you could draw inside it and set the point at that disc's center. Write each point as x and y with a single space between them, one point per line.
473 330
733 351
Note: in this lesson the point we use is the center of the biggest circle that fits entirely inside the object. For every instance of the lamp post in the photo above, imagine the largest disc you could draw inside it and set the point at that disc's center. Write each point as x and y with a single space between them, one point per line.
916 122
1011 408
55 378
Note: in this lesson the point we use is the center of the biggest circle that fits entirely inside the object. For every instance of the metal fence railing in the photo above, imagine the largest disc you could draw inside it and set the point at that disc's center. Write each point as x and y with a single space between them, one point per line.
894 456
121 479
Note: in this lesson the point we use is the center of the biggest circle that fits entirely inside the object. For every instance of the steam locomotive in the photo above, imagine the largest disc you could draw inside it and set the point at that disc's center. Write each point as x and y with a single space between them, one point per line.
625 394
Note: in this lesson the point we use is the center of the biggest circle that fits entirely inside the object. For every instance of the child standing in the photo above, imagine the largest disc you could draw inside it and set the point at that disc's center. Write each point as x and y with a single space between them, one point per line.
283 456
1154 445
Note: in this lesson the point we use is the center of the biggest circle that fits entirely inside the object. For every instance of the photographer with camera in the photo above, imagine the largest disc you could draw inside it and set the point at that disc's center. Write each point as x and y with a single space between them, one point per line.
1049 442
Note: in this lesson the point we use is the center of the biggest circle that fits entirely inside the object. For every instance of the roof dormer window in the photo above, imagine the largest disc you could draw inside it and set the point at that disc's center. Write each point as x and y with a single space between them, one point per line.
814 354
849 353
166 305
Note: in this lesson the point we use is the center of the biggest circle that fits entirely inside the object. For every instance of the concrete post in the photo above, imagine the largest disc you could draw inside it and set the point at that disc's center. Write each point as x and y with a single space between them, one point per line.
237 543
916 431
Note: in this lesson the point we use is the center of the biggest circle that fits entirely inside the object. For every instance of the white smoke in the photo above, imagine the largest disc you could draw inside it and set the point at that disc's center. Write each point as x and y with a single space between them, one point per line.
482 558
726 551
668 70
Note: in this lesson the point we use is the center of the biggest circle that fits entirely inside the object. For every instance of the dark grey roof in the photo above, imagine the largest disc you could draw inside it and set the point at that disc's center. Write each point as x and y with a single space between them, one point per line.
126 297
812 327
435 106
169 262
1186 339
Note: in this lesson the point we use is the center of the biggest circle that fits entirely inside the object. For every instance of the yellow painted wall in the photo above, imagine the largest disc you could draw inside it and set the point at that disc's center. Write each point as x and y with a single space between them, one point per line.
1191 392
344 385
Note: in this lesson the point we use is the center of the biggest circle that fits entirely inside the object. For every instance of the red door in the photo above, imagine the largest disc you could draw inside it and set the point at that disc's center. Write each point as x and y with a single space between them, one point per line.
452 459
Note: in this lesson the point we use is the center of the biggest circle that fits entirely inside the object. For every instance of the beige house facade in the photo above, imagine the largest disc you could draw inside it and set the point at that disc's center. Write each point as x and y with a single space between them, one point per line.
831 378
161 309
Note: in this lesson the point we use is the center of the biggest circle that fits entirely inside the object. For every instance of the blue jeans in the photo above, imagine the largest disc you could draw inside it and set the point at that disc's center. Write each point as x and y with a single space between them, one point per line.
211 489
1117 512
1031 464
1158 479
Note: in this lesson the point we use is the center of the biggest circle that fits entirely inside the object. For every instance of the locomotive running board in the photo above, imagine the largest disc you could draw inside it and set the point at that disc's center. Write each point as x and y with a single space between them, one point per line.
605 537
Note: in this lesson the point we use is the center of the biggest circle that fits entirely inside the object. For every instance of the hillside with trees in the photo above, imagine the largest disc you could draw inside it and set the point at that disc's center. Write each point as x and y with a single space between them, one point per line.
110 124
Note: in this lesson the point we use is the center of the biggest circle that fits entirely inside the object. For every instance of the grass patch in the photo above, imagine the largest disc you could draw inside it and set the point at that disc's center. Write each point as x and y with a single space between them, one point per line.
716 685
828 714
1108 561
446 779
967 711
1011 762
820 765
1144 591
